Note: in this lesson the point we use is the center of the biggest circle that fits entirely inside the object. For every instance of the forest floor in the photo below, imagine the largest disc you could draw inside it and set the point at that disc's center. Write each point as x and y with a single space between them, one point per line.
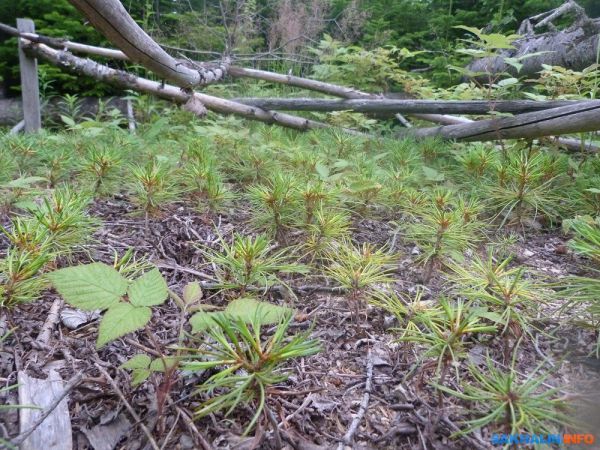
315 408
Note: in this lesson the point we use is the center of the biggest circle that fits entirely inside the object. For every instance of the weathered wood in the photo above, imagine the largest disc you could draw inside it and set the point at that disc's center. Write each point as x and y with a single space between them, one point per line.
564 120
54 433
305 83
405 106
111 19
66 44
575 47
127 80
30 90
17 129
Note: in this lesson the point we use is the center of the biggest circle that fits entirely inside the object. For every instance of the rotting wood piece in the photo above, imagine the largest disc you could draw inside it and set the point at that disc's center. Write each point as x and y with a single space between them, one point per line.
54 433
405 106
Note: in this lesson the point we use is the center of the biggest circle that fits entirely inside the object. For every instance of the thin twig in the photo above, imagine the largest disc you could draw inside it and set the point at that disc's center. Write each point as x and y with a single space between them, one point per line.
51 320
364 404
128 406
74 381
307 401
190 424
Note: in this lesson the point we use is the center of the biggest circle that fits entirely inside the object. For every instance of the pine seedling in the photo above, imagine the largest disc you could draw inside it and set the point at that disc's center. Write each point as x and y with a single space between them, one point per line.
251 262
57 165
27 235
359 269
327 227
19 276
251 164
203 182
443 233
525 188
478 161
502 400
509 295
586 240
445 333
152 187
64 215
101 166
247 363
314 196
275 205
405 309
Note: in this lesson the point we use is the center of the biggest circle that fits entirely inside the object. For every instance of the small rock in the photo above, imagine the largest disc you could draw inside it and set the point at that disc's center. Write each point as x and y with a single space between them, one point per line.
528 253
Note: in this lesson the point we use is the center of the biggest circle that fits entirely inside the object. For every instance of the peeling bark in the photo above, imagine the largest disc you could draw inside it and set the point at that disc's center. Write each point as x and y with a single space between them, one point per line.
573 48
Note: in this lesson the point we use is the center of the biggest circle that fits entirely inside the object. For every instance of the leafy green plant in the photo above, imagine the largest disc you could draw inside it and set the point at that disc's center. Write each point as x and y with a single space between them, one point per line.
20 192
247 363
98 286
358 269
250 262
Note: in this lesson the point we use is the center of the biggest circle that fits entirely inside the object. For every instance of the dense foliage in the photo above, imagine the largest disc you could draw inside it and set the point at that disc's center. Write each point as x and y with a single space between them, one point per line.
282 28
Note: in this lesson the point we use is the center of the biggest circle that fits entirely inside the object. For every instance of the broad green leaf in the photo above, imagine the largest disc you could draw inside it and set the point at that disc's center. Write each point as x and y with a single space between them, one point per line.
121 319
247 309
475 31
89 286
432 174
23 182
192 292
322 170
202 320
138 376
158 365
139 361
148 290
507 82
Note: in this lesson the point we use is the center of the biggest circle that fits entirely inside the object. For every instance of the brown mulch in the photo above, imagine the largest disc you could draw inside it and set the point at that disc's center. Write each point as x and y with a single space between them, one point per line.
317 404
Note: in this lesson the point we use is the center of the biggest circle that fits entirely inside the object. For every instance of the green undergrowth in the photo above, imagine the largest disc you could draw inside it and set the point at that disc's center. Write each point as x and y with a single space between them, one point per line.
299 203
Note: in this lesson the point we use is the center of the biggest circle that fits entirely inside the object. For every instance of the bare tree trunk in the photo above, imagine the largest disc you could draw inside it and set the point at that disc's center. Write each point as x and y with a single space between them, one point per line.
114 22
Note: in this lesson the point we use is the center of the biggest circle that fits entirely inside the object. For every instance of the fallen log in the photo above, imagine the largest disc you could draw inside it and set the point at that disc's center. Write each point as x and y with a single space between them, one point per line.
368 105
576 118
575 47
112 20
127 80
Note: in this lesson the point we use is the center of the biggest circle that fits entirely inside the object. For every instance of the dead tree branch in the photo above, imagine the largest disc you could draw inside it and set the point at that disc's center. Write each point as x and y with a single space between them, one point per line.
114 22
564 120
126 80
404 106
